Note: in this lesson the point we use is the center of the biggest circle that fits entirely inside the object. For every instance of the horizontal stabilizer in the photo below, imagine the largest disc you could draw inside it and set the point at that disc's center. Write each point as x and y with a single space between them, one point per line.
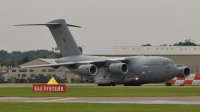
47 24
51 24
74 26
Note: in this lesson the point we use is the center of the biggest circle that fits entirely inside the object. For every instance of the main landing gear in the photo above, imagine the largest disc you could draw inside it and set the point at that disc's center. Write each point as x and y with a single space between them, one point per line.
111 84
132 84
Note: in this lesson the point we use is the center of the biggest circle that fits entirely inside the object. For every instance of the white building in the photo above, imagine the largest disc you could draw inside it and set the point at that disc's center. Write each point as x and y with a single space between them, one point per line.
42 74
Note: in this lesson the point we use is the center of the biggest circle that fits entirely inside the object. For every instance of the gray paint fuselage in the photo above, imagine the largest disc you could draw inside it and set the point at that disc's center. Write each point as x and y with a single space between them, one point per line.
142 69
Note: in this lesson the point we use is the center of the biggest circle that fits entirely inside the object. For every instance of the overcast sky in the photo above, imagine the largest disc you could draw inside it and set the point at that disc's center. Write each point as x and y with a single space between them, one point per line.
104 22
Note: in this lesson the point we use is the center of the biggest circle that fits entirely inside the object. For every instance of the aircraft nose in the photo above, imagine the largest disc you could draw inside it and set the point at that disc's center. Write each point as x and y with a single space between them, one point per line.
175 70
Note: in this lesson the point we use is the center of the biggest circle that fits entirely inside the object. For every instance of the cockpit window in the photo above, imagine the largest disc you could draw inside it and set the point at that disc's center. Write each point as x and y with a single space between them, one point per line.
171 63
165 63
168 62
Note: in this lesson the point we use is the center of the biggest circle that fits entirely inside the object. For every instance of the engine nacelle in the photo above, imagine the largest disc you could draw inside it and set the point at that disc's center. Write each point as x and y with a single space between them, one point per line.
87 70
118 68
183 71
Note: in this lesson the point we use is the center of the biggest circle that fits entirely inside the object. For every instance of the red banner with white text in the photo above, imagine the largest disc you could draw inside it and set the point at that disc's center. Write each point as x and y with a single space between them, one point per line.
49 88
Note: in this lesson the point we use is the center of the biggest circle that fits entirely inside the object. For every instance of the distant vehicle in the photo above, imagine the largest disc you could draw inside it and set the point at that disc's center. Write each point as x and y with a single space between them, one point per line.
109 71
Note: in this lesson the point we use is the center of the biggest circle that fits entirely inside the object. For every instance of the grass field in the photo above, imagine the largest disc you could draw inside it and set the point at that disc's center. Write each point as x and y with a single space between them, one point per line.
89 107
94 91
104 92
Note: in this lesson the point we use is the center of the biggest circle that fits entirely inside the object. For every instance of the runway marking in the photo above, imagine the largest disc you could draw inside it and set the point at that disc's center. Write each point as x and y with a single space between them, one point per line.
59 100
129 100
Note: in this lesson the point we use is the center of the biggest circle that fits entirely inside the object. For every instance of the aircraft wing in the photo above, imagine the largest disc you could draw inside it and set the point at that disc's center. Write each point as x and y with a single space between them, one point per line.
57 65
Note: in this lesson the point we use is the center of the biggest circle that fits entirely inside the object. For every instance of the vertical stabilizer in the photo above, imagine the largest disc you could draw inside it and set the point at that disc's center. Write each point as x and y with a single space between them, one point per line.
63 37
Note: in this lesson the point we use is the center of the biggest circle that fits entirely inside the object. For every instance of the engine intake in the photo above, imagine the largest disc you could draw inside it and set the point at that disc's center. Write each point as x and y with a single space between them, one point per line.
118 68
184 71
87 70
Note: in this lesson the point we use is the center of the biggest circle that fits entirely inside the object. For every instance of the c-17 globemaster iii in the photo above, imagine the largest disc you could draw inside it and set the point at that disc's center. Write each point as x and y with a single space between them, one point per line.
109 71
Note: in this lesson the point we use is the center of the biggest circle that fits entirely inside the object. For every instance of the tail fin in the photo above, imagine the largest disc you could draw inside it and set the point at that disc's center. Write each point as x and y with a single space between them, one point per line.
62 35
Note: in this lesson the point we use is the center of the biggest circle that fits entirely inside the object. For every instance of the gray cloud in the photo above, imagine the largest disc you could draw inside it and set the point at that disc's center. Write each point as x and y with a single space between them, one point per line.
104 22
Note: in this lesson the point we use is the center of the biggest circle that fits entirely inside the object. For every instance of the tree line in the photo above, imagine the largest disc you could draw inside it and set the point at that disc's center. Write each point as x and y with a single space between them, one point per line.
7 59
187 42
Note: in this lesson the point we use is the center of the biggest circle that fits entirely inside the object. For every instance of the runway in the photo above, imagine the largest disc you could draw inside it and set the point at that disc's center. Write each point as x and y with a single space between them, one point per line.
128 100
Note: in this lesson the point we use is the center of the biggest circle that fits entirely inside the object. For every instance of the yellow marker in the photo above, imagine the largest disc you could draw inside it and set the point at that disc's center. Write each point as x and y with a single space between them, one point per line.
52 81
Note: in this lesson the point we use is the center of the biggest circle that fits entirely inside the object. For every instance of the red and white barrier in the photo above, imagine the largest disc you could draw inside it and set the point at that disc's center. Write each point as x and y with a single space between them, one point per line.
193 79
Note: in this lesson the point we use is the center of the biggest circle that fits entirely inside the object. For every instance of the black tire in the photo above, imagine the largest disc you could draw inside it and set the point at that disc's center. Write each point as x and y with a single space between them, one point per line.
113 84
104 84
131 84
168 84
100 84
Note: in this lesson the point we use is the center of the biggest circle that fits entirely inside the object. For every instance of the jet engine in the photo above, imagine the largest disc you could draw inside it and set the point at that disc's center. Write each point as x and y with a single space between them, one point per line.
183 71
118 68
87 70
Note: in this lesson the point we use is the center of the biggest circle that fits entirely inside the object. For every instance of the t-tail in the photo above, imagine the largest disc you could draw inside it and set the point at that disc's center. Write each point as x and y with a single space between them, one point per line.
62 35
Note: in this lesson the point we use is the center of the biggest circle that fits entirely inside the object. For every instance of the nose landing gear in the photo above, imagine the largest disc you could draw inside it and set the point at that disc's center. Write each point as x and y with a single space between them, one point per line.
168 84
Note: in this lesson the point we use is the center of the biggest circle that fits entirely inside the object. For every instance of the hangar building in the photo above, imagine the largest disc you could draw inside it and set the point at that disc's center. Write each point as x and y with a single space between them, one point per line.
42 74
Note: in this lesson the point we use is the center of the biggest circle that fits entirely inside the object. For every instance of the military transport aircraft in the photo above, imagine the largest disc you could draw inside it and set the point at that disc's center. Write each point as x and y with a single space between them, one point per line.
109 71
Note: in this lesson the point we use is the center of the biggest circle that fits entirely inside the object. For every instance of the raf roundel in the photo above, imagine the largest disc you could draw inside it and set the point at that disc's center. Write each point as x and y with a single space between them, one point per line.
64 40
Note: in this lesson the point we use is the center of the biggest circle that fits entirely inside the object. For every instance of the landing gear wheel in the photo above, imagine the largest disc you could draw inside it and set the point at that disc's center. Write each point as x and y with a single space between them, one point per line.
168 84
104 84
110 84
131 84
113 84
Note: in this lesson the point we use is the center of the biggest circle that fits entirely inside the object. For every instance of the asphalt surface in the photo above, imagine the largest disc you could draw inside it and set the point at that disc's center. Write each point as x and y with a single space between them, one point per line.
128 100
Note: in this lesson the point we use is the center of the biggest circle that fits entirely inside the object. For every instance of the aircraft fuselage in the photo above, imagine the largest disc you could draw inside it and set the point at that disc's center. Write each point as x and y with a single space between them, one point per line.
142 69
